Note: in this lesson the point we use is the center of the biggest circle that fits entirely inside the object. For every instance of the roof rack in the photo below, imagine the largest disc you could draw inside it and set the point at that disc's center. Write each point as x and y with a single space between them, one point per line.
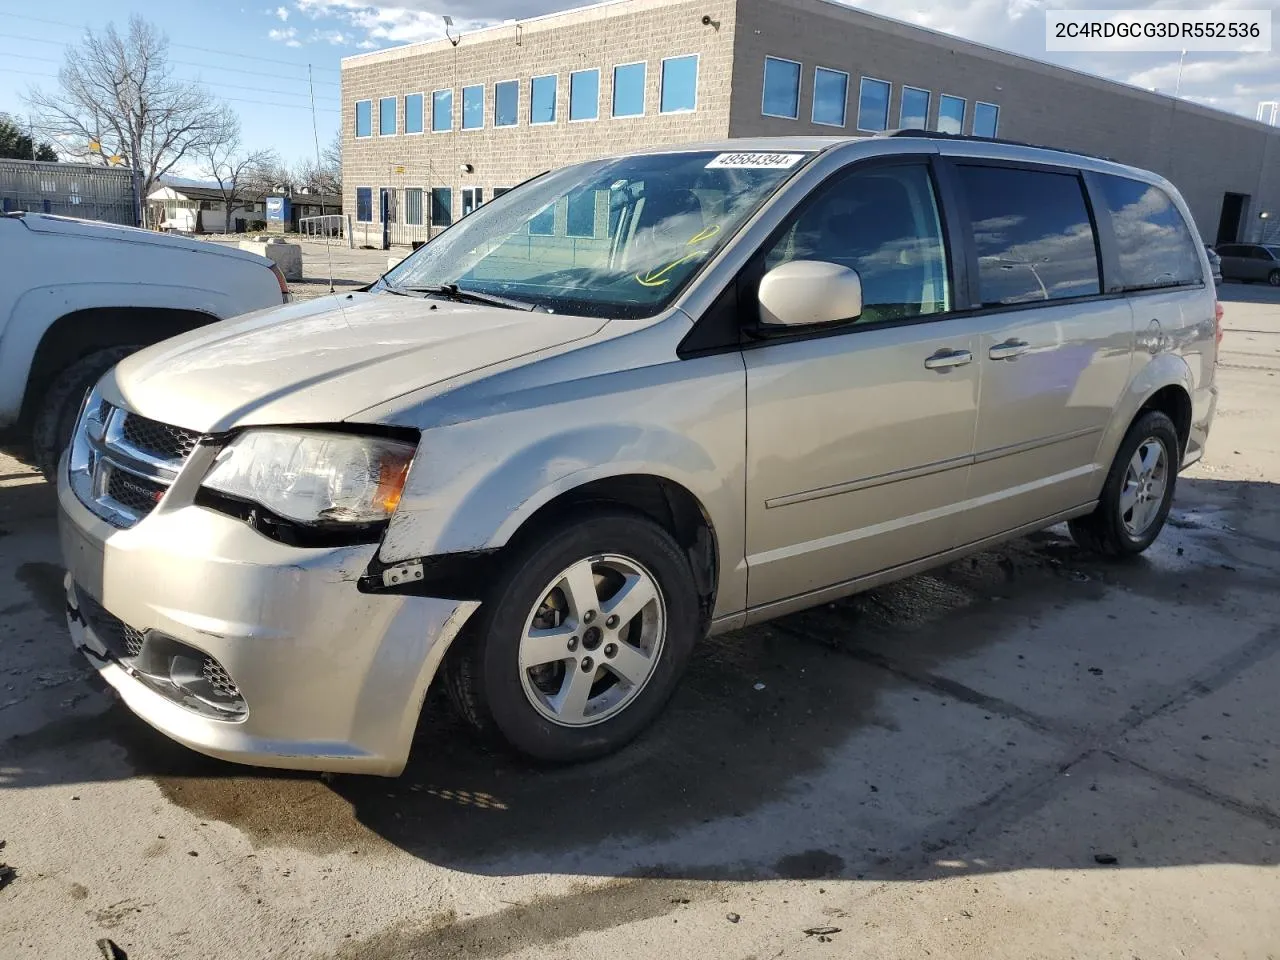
973 138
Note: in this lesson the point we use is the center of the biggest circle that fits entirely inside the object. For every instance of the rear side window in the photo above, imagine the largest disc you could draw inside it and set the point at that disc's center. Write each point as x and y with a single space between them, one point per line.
1155 247
1032 234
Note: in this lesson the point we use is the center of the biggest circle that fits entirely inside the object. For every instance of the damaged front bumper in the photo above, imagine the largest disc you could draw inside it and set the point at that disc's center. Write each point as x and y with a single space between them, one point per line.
247 649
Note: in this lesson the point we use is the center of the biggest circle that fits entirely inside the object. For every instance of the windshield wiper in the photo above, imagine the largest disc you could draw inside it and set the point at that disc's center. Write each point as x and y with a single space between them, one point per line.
456 293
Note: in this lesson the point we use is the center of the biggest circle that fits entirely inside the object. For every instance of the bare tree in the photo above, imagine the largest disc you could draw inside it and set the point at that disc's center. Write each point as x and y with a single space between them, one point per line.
240 175
117 95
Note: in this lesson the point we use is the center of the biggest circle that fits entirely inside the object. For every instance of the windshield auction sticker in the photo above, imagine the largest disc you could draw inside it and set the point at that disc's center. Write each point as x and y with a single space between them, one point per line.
756 161
1171 31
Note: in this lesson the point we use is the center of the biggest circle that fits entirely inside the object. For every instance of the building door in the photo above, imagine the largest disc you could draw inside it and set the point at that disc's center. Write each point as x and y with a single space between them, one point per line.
387 206
1233 205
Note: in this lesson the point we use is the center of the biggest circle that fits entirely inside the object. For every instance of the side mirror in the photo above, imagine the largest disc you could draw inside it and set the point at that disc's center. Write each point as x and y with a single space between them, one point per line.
806 292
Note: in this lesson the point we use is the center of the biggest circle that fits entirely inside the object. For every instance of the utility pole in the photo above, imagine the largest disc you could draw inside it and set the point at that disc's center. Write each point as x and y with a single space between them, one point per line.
1177 90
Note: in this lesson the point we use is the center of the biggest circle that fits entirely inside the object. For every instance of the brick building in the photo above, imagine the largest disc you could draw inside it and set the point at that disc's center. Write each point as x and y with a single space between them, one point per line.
432 129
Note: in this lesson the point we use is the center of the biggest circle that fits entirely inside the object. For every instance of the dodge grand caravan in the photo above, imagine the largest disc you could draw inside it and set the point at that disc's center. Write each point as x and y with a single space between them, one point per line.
631 402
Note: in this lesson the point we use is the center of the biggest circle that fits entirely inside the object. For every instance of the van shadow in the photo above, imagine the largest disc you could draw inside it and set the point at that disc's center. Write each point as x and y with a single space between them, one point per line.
772 735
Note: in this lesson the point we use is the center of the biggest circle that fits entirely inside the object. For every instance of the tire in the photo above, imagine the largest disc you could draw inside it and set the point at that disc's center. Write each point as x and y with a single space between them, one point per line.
54 417
1116 529
1273 278
483 675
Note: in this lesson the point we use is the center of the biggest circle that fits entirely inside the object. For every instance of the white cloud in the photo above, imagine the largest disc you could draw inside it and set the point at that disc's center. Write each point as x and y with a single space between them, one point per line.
282 13
288 36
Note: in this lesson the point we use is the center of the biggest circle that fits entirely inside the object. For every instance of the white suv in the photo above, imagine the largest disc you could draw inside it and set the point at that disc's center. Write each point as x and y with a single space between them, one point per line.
79 295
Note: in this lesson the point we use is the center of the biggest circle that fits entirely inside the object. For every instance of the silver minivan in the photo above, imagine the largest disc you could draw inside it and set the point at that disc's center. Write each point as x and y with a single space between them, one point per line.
631 402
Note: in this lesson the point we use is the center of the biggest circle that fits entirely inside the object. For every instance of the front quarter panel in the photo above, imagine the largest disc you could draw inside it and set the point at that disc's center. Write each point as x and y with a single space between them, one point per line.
495 451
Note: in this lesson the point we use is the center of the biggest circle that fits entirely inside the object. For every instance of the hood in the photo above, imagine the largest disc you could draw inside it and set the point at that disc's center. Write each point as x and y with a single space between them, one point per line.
99 230
325 360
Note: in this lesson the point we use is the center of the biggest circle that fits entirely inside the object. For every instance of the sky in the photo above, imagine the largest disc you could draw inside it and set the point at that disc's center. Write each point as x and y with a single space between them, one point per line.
255 55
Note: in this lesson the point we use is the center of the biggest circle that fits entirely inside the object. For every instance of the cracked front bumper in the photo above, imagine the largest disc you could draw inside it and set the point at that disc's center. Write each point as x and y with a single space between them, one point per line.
331 678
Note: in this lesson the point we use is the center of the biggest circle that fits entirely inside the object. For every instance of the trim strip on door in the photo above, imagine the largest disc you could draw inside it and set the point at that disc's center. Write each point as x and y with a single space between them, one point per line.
1014 448
866 483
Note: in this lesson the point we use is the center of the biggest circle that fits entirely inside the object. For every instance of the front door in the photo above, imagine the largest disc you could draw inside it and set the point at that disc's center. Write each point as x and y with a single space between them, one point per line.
859 437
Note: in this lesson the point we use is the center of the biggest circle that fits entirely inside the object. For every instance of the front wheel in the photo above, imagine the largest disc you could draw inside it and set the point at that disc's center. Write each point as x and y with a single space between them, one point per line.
583 640
1138 491
1273 278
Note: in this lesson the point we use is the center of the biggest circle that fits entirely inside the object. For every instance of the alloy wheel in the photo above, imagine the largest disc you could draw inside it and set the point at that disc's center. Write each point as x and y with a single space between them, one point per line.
1145 481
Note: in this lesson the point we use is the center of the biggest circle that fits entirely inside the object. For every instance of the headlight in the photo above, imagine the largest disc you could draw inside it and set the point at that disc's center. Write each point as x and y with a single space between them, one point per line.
312 476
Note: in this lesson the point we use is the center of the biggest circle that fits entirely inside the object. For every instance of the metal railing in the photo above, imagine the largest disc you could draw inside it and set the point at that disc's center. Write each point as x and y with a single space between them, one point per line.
328 228
69 190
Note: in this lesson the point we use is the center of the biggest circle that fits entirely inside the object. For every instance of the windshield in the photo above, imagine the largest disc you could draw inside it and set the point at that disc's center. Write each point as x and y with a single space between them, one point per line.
610 238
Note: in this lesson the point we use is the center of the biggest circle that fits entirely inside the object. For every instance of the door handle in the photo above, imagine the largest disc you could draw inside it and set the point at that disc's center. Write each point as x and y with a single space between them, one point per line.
1009 350
945 359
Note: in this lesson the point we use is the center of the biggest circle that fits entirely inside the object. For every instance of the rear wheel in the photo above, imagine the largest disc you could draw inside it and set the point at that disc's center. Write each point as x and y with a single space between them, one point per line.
1138 491
56 410
583 640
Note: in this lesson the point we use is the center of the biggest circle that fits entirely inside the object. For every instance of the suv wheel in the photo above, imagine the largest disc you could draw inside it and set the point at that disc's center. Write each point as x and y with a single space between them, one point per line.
56 411
1273 278
1138 492
583 640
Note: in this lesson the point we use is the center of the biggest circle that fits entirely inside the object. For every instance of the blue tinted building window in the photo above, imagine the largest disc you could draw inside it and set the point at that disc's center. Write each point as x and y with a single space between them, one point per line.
413 113
364 204
387 117
506 103
830 97
441 111
950 114
472 108
441 206
364 118
628 90
986 119
542 100
781 89
679 84
914 113
584 95
873 105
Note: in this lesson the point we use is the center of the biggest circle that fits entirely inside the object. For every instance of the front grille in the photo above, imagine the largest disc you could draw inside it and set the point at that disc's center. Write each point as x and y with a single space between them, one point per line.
215 674
121 463
121 640
159 439
135 494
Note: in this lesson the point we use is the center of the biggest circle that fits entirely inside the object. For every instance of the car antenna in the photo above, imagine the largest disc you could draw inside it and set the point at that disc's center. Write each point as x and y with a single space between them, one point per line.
315 132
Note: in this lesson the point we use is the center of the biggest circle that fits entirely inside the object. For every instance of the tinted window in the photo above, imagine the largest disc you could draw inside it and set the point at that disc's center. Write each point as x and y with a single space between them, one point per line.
364 204
628 90
442 111
1032 235
542 100
884 224
1229 250
413 113
582 214
364 118
986 119
387 116
679 84
915 109
873 105
584 95
472 108
1154 245
1270 253
781 88
830 94
506 103
442 206
950 114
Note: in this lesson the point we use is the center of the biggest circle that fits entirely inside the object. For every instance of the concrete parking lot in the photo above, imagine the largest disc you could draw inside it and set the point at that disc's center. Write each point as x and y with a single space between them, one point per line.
1031 753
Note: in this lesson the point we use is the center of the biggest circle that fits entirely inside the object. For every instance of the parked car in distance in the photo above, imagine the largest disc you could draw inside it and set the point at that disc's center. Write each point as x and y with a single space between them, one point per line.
631 402
1250 262
80 295
1215 263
